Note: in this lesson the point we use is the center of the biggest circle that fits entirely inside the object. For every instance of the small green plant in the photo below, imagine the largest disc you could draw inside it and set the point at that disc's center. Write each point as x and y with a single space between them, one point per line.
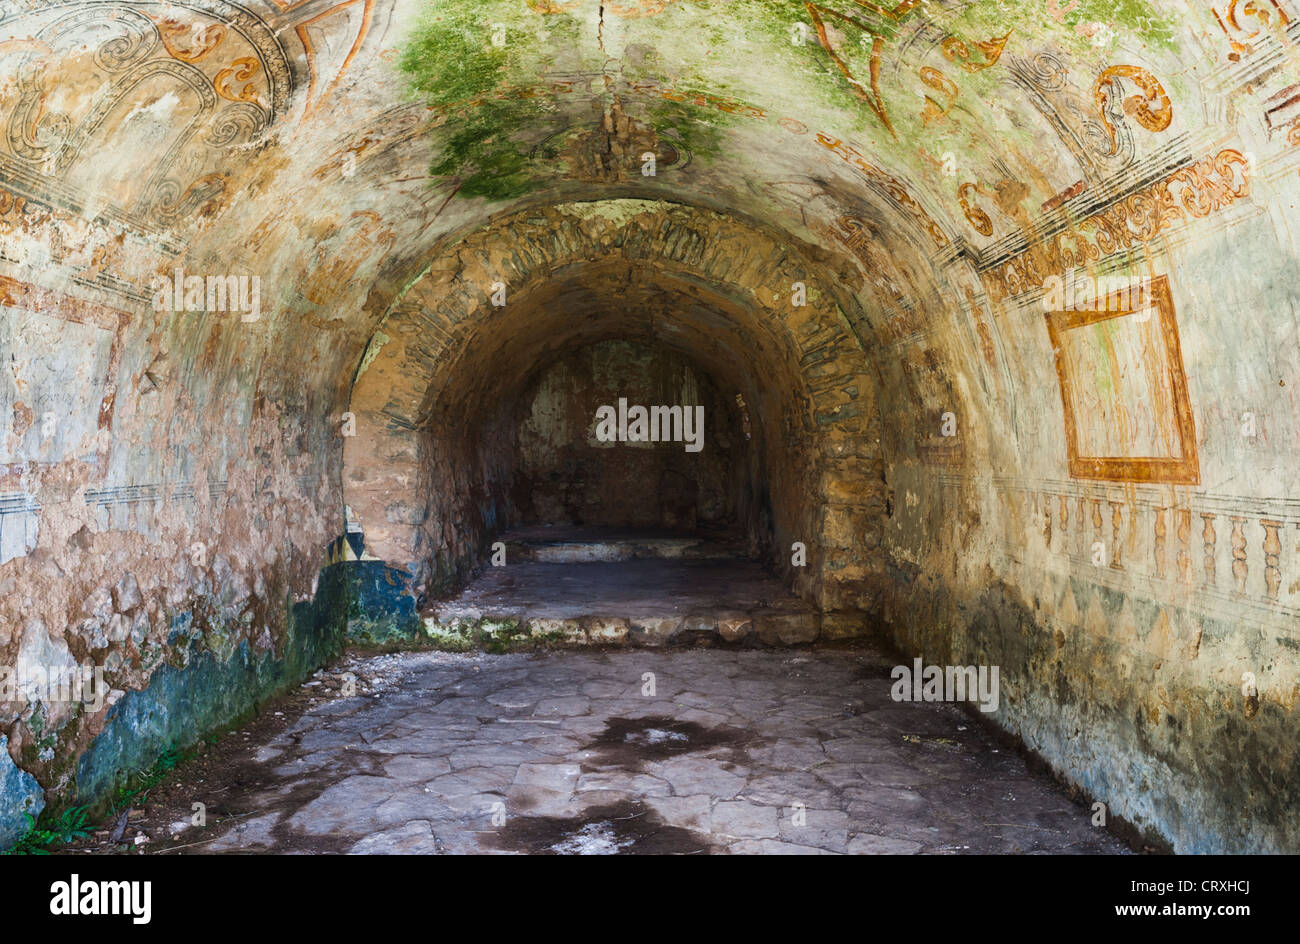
39 840
167 761
143 781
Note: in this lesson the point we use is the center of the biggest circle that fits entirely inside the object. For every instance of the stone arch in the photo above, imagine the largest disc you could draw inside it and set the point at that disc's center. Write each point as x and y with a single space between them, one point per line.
711 285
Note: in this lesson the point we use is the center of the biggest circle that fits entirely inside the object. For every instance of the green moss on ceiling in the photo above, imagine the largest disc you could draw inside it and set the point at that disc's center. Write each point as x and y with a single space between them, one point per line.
759 51
698 130
484 152
465 61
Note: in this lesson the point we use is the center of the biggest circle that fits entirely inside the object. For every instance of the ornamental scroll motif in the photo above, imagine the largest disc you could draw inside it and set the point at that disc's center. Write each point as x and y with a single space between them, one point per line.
887 184
1152 110
1192 192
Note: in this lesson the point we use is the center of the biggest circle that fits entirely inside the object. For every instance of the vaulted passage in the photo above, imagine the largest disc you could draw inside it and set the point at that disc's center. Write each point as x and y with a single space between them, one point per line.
466 427
760 345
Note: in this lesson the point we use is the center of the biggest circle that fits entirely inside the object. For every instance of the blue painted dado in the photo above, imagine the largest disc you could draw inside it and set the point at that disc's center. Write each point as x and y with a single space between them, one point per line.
186 702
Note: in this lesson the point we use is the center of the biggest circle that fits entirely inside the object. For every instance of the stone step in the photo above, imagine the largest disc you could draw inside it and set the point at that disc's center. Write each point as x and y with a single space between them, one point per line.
464 628
577 551
572 544
639 601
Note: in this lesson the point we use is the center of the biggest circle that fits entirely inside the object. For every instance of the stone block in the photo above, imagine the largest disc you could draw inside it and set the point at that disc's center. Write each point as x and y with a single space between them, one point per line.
734 626
785 628
603 631
654 630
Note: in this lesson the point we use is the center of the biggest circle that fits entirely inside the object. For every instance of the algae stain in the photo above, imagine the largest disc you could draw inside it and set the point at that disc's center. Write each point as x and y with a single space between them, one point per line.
377 341
480 67
489 70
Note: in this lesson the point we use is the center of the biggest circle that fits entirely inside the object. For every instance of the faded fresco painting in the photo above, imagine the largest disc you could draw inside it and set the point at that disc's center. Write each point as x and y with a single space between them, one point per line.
1127 413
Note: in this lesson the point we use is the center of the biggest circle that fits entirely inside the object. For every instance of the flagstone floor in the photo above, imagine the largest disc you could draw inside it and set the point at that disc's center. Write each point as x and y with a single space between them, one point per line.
631 751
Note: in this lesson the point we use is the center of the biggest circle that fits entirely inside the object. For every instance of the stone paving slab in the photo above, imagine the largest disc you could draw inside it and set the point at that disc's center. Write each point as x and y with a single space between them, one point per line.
631 590
647 751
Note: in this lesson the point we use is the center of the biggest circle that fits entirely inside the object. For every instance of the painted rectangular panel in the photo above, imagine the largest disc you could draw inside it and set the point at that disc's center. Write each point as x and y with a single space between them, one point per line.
17 534
68 388
1128 417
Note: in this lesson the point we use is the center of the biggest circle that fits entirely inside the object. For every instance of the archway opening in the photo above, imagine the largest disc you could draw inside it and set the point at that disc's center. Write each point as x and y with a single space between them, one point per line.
615 404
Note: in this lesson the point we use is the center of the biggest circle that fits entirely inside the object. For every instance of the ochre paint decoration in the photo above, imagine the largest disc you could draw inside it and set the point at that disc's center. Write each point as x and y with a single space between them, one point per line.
1152 110
868 93
1195 191
1128 416
956 51
890 185
932 110
977 218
